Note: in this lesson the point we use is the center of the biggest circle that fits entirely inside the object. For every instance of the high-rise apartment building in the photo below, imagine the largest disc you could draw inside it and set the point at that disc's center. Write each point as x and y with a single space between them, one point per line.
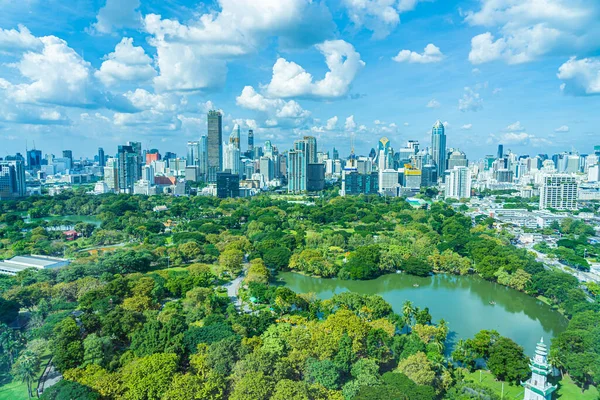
203 157
458 183
438 147
12 180
297 164
250 142
127 166
558 191
311 149
215 144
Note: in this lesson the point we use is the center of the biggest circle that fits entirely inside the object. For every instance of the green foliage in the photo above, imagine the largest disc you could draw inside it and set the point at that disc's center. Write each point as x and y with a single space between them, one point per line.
69 390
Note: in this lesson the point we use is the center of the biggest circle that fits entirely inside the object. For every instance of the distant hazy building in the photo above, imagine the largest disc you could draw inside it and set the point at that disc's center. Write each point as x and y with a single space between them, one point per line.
558 191
250 142
457 158
438 147
34 159
458 183
101 157
228 184
266 167
215 148
12 180
193 153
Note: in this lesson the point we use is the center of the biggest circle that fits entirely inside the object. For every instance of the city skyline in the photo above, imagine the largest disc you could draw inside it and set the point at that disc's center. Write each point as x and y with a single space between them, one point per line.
489 81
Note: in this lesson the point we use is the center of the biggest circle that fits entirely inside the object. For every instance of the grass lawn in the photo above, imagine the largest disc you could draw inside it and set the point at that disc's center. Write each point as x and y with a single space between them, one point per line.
568 390
487 379
16 390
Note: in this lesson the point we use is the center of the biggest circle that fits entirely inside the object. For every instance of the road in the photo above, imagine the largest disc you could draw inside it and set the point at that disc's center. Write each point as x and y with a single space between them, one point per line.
233 289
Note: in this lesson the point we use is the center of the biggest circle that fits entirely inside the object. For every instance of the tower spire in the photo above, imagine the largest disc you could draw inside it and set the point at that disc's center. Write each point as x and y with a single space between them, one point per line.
537 387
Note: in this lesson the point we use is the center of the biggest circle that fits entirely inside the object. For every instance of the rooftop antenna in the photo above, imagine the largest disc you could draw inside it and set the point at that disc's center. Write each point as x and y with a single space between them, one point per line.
352 143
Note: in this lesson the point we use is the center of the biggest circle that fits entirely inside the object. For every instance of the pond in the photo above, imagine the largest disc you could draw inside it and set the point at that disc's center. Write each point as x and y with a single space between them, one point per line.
465 302
73 218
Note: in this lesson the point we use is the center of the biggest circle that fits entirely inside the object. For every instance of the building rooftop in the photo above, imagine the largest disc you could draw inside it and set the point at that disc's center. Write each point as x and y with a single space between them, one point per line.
20 263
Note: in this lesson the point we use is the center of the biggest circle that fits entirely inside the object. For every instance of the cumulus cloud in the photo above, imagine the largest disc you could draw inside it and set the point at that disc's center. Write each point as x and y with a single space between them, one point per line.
433 103
580 77
18 40
350 125
116 15
516 127
331 123
291 80
378 16
561 129
471 101
58 75
194 56
127 63
466 127
431 54
519 138
278 108
529 29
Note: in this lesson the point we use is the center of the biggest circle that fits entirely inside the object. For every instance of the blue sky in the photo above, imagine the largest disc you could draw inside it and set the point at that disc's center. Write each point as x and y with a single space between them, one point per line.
84 74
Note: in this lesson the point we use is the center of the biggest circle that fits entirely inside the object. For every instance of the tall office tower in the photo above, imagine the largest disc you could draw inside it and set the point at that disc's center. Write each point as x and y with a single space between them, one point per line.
458 183
311 149
315 177
457 158
231 158
139 159
234 137
34 159
215 146
558 191
68 154
193 153
268 149
336 154
389 159
282 165
297 168
500 151
267 168
111 174
203 157
428 175
101 158
438 147
250 142
127 168
12 180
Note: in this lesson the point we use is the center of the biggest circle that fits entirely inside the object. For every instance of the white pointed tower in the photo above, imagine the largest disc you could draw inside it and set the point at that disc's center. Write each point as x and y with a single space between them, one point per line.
537 387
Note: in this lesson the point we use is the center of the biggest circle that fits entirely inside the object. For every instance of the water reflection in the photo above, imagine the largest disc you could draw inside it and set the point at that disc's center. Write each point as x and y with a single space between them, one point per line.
463 301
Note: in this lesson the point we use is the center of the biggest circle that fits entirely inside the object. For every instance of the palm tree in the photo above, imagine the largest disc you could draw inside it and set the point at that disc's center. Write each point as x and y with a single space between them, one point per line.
26 368
408 311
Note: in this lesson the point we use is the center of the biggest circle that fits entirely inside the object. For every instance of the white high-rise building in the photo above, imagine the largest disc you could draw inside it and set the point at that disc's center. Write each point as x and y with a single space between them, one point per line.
231 158
558 191
458 183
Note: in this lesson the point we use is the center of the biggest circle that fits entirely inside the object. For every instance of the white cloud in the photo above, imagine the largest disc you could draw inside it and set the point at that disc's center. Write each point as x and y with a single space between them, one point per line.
194 57
496 91
350 125
466 127
529 29
516 127
144 100
561 129
252 100
580 77
116 15
378 16
127 63
331 123
471 101
431 54
519 138
291 80
433 103
406 124
18 40
58 75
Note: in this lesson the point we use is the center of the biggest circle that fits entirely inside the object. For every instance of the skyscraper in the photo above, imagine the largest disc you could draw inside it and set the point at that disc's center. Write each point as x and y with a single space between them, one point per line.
250 142
193 153
203 157
127 168
101 157
215 144
34 159
438 147
68 154
311 149
12 180
234 137
297 168
500 151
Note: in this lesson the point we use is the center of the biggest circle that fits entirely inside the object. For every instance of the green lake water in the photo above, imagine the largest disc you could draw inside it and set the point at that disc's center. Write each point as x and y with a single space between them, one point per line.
463 301
73 218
